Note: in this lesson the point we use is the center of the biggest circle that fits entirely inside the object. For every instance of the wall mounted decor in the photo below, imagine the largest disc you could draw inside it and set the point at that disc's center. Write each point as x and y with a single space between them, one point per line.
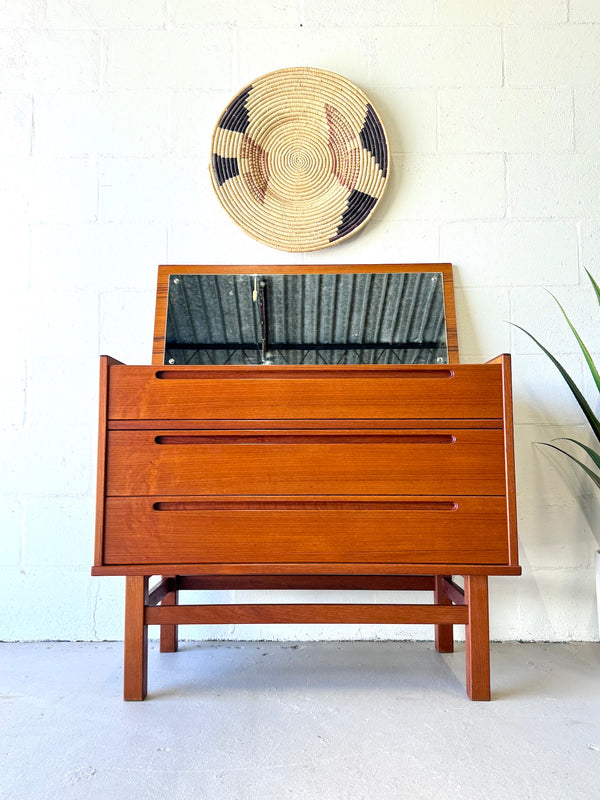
300 159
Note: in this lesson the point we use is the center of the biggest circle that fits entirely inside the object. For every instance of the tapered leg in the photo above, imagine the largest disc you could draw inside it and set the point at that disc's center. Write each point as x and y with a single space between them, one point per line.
168 633
444 634
477 637
135 678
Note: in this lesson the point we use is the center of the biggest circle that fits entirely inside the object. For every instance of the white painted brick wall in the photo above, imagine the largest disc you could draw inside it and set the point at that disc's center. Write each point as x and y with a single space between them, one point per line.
482 328
511 252
13 392
436 56
505 120
24 14
124 315
16 250
339 13
97 256
553 56
578 302
345 50
584 11
553 185
16 114
166 189
587 120
14 197
116 124
409 117
107 109
260 13
195 58
36 60
86 14
62 190
500 12
12 520
535 375
590 245
459 182
193 116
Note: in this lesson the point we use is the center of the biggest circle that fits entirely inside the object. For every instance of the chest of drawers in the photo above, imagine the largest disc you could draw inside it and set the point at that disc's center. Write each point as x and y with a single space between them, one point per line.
366 477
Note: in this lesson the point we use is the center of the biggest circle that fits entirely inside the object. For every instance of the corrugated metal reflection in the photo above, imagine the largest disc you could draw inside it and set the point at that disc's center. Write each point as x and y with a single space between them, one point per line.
367 318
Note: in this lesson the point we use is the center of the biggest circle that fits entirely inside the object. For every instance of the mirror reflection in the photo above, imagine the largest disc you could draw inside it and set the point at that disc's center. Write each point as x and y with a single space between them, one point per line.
346 318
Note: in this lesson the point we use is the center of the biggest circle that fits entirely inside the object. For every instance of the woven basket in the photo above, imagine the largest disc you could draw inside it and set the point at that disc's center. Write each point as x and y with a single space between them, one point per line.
299 159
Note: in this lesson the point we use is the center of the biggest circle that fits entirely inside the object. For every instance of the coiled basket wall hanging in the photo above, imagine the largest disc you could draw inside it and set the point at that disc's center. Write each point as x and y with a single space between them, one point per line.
300 159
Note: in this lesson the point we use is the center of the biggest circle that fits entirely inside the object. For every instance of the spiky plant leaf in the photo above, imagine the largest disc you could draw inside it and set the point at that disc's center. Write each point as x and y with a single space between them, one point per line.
591 453
595 285
584 350
583 403
584 467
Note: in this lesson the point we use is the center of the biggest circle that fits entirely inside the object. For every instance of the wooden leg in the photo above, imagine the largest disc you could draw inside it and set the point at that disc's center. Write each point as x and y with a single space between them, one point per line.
168 633
135 678
477 637
444 634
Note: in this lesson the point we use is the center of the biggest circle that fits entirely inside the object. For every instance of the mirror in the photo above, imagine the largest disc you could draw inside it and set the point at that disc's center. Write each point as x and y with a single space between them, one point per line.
314 318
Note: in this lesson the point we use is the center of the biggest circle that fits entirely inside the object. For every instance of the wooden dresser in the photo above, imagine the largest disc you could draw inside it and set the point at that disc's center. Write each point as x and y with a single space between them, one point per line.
389 477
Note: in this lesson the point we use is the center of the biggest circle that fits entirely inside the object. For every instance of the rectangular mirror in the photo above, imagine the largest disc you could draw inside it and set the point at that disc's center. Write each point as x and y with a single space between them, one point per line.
314 316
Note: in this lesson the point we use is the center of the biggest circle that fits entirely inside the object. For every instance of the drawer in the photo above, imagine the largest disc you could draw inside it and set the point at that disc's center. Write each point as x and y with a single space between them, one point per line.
467 530
276 462
463 391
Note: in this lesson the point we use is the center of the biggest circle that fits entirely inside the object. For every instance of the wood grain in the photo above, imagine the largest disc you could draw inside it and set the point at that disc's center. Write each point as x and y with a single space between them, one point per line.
295 568
444 634
105 363
135 673
169 631
135 533
407 463
395 583
477 638
509 456
474 391
309 613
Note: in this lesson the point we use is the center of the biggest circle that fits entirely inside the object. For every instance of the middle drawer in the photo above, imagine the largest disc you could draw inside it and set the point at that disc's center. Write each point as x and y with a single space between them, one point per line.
429 462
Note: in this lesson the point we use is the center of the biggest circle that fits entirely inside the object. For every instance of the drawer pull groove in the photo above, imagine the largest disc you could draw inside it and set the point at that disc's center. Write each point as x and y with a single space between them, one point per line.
273 373
305 505
303 437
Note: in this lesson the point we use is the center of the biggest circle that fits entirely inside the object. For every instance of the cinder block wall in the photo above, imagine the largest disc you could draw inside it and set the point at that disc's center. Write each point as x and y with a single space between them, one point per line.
107 108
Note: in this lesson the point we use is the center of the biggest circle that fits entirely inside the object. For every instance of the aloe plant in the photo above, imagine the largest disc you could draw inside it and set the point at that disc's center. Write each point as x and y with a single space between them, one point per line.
593 420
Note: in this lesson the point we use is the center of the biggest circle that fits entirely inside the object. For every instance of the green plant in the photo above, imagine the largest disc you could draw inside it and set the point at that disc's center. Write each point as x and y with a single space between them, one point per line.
583 403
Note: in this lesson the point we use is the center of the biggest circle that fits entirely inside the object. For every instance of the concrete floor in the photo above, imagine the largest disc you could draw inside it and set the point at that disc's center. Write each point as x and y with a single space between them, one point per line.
329 720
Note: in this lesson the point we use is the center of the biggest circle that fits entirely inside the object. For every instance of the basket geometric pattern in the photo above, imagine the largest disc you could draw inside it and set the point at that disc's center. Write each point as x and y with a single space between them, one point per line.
299 159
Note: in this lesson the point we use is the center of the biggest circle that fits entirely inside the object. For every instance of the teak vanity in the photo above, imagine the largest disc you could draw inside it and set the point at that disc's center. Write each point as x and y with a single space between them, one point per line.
306 428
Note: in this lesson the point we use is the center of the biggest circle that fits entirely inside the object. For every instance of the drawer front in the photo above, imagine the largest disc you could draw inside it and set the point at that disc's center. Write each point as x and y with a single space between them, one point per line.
464 391
466 530
407 462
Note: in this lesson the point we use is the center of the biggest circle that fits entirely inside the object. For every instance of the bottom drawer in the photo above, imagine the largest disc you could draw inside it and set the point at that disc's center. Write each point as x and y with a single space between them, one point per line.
204 530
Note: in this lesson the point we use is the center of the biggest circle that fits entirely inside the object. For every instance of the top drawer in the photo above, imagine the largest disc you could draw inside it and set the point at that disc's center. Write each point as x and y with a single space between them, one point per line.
462 391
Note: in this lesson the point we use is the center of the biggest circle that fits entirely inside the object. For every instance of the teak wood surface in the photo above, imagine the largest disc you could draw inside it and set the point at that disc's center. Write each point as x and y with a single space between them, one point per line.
363 477
465 391
440 462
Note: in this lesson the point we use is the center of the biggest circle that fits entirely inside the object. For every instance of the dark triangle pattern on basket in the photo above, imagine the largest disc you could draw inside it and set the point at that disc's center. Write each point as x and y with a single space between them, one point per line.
358 209
372 137
225 168
235 117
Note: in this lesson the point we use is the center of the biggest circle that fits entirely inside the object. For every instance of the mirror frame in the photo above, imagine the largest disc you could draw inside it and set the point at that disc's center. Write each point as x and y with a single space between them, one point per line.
165 271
